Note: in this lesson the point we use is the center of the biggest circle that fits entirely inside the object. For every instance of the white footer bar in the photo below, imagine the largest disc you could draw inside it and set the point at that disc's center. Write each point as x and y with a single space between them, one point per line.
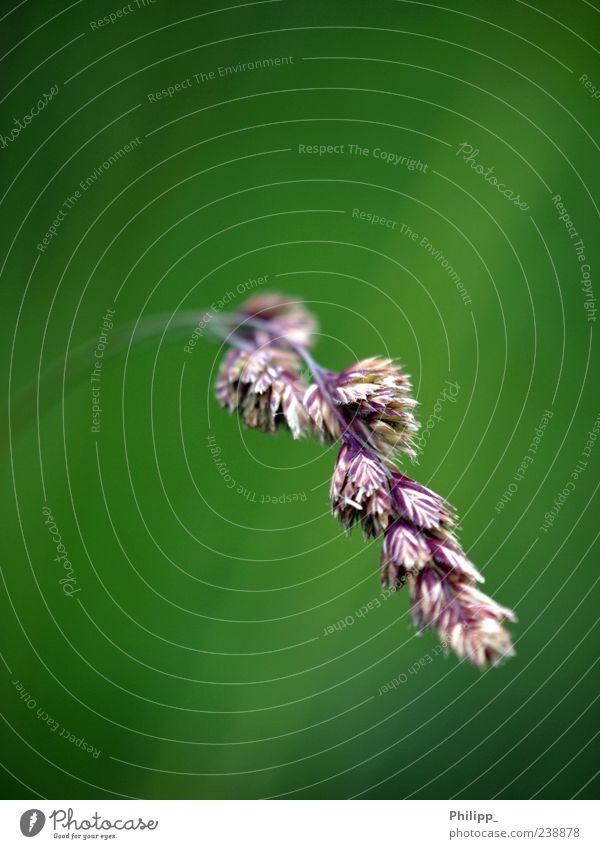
302 824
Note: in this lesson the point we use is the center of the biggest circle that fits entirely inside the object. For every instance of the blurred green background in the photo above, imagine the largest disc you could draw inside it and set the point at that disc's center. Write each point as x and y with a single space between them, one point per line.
192 658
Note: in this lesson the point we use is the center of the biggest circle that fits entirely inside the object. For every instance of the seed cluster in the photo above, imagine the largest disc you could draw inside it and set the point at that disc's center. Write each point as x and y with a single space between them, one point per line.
368 410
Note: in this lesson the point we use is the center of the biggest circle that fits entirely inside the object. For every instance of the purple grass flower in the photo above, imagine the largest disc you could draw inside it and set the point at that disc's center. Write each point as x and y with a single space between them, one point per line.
286 318
372 396
360 492
324 416
266 387
467 621
367 408
419 506
261 377
404 551
421 551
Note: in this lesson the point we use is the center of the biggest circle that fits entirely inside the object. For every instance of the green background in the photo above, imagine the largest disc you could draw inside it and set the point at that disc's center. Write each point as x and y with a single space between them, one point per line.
193 655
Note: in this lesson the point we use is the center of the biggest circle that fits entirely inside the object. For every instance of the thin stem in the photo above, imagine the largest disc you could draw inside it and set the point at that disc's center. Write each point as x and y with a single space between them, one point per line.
42 392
